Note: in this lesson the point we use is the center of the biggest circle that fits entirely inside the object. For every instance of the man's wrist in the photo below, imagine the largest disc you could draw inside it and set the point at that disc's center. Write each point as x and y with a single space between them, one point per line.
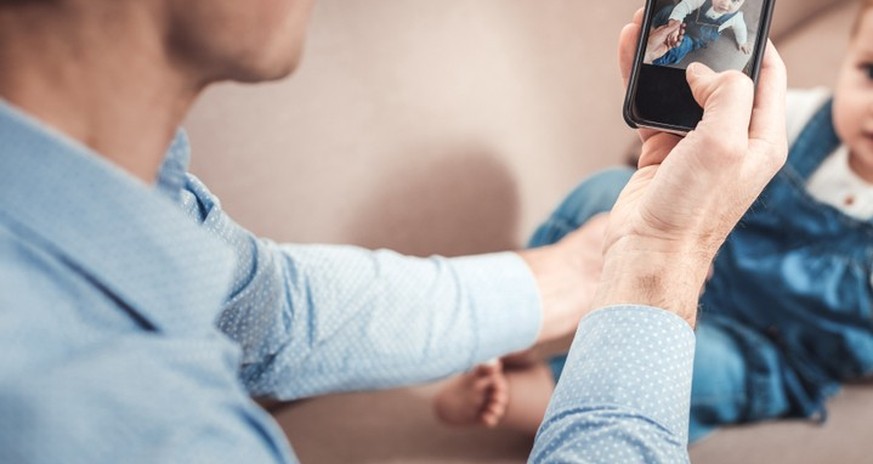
644 272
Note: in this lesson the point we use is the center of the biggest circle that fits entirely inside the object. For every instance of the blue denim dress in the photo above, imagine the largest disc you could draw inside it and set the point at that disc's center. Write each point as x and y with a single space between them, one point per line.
700 31
792 289
787 315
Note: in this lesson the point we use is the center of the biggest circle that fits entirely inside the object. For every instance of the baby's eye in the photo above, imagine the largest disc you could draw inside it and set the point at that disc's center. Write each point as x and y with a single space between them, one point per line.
867 69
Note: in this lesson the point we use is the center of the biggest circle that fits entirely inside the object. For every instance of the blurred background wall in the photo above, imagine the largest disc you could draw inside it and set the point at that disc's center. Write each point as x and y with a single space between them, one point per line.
447 126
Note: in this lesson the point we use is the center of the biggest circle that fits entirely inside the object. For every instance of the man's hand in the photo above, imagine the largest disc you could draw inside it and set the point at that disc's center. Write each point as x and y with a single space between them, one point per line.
746 47
567 275
690 192
663 39
676 38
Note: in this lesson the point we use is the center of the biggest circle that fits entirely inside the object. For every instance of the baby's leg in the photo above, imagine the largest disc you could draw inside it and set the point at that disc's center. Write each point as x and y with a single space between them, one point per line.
530 386
593 196
719 387
677 54
737 377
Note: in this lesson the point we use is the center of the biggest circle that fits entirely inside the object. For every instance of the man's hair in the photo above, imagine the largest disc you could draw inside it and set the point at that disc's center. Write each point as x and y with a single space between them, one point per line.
865 6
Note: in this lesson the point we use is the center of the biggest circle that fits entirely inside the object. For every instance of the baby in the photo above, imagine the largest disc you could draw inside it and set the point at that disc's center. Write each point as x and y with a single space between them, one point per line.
786 317
704 21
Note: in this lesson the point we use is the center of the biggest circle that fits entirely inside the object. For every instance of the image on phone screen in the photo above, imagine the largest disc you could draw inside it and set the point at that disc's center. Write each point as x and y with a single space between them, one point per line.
721 34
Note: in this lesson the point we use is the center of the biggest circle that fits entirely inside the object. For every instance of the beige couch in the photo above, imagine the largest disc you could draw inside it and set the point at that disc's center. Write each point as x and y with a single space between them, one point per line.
453 127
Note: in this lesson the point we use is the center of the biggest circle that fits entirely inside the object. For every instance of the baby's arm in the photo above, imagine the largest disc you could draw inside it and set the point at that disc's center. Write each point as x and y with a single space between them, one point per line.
684 8
741 33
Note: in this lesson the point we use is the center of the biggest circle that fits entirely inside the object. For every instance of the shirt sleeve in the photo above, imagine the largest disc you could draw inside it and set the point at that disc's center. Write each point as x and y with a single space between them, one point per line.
684 8
738 25
624 394
322 319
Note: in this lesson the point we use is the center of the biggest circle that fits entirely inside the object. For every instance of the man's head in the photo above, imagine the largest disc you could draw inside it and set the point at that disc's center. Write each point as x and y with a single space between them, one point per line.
208 40
853 98
727 6
119 76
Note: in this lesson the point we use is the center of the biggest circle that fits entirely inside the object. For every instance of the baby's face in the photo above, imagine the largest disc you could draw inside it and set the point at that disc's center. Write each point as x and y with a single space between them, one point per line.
853 99
727 6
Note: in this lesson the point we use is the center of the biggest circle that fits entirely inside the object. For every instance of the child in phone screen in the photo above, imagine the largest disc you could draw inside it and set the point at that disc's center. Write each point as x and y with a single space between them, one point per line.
704 20
787 315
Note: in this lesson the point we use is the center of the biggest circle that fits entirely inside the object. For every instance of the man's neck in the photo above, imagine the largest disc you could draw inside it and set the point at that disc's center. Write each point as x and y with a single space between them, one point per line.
106 83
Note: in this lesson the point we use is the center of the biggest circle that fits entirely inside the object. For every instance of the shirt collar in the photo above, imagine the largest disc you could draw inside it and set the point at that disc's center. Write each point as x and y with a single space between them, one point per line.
173 173
126 236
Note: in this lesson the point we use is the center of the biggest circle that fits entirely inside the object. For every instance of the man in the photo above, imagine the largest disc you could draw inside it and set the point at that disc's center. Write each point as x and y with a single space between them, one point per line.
118 268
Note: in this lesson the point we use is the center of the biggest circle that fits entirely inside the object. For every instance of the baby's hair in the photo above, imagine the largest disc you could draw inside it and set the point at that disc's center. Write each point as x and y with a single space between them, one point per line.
865 5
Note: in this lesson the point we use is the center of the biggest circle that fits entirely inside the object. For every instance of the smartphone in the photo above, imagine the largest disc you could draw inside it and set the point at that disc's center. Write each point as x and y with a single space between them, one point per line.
722 34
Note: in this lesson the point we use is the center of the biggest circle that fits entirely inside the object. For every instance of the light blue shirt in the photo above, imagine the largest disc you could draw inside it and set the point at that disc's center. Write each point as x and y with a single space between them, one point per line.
137 320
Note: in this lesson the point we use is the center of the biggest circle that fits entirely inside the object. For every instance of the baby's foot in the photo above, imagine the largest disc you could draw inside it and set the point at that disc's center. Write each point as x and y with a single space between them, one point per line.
478 397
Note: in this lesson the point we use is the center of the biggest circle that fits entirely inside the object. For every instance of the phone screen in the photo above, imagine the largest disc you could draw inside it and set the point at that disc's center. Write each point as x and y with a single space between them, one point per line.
722 34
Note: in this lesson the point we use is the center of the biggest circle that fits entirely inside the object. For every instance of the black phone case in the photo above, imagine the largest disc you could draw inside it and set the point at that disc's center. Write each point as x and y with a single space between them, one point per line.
630 95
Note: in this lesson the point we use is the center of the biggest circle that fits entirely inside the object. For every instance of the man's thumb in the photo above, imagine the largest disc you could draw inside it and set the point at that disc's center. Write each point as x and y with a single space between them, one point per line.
702 80
726 99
